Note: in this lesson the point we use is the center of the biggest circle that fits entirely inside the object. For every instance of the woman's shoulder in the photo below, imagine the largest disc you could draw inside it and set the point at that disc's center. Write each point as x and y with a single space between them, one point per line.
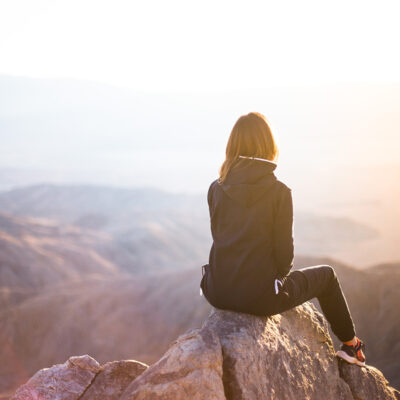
283 191
211 190
283 186
212 184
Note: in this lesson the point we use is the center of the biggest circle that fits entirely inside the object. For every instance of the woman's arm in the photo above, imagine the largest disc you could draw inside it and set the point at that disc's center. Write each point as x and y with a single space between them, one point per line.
283 233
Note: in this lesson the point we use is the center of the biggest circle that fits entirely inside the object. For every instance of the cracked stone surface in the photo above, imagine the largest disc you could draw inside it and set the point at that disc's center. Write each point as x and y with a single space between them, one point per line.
112 379
286 356
190 369
367 383
61 381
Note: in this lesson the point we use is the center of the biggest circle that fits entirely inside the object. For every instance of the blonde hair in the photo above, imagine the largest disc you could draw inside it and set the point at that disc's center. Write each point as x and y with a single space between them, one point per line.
250 136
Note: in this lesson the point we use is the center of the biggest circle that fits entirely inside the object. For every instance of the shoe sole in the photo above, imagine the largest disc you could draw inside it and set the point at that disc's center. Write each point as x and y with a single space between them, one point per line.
352 360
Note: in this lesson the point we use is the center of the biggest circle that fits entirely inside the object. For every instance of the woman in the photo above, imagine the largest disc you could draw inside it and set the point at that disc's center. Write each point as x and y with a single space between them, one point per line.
251 257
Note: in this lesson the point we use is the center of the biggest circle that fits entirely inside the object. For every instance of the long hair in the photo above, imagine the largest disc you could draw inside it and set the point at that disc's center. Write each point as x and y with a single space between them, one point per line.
250 136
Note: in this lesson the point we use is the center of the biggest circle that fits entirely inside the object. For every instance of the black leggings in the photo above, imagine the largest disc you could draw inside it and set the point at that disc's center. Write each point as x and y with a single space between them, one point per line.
319 281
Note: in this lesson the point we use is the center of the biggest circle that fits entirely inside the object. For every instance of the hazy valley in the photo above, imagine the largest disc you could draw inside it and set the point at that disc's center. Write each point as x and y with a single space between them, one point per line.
115 273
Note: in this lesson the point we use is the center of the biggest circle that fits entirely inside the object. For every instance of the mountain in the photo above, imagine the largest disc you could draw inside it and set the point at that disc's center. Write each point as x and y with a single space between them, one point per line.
110 317
36 252
163 230
151 230
124 266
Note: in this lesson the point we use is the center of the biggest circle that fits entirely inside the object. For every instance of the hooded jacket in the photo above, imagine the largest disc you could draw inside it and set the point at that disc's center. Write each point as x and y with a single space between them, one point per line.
251 217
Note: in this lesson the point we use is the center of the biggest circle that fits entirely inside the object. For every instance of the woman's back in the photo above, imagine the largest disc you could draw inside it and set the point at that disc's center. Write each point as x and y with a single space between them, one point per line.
251 224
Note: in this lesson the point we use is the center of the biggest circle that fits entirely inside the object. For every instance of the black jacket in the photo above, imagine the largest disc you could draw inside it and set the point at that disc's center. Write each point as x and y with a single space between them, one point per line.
251 216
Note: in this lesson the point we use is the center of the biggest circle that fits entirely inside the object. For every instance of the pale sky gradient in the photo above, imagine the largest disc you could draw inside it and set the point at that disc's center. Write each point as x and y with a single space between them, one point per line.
325 73
207 45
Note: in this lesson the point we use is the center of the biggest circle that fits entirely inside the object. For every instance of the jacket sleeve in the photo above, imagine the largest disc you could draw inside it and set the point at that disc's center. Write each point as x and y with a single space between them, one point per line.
283 246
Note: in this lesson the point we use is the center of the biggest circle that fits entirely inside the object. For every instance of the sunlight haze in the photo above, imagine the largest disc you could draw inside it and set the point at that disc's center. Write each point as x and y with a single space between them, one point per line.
208 45
144 94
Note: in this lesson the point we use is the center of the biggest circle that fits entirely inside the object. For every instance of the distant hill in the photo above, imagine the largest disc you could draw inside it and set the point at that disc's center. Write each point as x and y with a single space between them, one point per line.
146 230
110 318
115 273
38 252
162 229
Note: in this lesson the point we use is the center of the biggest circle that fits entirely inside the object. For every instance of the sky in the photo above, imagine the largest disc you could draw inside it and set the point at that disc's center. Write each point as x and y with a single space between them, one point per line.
170 78
201 46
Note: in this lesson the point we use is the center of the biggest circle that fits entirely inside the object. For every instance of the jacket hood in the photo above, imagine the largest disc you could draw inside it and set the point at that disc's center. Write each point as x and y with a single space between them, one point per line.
249 179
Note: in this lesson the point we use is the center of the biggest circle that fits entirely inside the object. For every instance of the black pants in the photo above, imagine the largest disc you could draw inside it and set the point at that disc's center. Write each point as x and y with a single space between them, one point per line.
319 281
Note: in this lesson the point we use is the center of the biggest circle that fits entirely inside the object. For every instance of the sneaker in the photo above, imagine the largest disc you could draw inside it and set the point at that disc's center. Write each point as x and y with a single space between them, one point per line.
353 354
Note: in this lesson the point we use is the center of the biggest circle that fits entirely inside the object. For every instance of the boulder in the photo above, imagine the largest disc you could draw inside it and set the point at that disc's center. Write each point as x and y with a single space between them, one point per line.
190 369
61 381
80 377
367 383
289 356
112 379
286 356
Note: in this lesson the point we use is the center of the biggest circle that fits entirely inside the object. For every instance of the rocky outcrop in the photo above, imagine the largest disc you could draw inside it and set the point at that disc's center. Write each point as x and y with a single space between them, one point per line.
81 377
192 368
61 381
287 356
112 379
232 356
367 383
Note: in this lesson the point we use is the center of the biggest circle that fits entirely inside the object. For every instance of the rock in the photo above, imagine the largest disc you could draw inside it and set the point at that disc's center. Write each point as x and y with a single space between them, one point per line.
286 356
81 377
190 369
232 356
61 381
367 383
112 379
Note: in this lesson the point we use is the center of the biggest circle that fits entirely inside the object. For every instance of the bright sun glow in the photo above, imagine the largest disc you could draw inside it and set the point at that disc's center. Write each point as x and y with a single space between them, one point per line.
186 45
